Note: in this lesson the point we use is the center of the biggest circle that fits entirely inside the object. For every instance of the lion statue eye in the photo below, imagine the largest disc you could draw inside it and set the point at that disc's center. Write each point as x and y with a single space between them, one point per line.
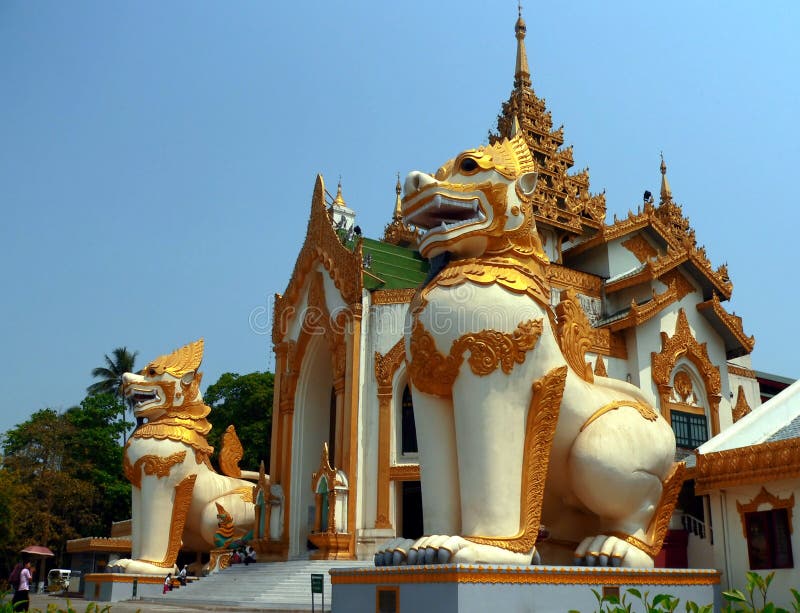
151 372
468 165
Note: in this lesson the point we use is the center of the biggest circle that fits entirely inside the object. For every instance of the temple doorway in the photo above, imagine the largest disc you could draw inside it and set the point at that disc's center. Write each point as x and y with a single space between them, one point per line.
411 509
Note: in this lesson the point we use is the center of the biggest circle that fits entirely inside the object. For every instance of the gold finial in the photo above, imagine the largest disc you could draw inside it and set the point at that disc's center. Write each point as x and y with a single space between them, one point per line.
398 205
666 192
522 76
339 200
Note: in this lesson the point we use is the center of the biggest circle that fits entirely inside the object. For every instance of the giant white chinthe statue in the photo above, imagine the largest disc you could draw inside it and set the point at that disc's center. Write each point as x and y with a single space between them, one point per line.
515 433
179 500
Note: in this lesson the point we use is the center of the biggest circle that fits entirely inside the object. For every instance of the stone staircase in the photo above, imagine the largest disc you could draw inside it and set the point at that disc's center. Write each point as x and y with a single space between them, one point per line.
280 586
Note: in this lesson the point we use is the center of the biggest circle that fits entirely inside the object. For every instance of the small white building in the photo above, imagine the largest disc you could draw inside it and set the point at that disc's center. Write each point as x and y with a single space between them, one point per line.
751 475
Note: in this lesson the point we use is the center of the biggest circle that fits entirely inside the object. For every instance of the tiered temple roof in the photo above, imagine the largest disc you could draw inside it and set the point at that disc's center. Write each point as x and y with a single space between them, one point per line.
561 200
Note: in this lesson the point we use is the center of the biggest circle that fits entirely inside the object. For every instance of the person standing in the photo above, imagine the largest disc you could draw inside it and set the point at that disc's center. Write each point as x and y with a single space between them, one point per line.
13 578
168 583
182 575
22 600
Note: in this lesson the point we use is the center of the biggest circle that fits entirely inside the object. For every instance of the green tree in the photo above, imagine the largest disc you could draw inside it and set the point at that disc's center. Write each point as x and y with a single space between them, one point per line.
12 491
65 472
95 421
55 500
110 377
245 401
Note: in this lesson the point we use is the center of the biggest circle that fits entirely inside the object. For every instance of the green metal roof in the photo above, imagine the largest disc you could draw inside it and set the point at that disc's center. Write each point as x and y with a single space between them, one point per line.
391 267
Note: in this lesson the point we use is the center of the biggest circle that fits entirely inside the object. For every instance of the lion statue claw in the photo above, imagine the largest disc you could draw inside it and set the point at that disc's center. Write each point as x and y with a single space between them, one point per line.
514 431
177 495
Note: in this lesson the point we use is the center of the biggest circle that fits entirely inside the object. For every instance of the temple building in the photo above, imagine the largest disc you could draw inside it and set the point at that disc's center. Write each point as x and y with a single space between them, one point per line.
344 449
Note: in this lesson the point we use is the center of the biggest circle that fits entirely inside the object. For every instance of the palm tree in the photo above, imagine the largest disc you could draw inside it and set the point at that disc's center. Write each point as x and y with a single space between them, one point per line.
111 374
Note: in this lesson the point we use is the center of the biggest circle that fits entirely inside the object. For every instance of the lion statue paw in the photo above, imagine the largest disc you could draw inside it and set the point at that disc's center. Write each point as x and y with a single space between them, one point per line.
605 550
140 567
445 549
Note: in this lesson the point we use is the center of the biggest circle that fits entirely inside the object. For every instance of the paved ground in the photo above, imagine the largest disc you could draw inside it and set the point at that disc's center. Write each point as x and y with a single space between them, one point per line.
41 602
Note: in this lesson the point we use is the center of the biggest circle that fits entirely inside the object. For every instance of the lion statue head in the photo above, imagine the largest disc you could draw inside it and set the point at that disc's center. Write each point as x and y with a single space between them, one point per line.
477 204
168 390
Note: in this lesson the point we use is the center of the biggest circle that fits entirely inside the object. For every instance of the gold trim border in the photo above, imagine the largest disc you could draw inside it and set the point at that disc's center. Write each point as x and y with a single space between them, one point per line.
740 371
755 464
404 472
122 578
393 296
577 575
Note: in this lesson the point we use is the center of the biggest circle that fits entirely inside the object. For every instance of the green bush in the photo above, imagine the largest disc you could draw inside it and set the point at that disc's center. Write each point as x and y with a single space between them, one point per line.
737 601
92 607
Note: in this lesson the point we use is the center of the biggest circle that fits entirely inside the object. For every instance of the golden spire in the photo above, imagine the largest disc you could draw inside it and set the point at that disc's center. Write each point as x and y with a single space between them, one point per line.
522 76
398 208
396 231
666 192
339 200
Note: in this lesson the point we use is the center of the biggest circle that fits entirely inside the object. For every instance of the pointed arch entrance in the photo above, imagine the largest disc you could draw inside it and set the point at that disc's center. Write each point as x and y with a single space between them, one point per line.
681 364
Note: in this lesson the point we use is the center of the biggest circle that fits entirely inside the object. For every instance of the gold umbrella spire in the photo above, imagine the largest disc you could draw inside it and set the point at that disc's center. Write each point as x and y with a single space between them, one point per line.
666 191
339 200
522 76
398 208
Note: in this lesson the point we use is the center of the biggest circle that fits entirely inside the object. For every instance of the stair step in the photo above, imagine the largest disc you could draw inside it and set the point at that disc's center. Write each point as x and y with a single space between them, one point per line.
284 584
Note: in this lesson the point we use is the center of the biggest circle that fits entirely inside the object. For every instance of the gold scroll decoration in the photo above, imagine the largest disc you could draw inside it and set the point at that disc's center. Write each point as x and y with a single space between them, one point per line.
178 363
742 408
434 373
508 273
231 453
574 334
643 409
150 465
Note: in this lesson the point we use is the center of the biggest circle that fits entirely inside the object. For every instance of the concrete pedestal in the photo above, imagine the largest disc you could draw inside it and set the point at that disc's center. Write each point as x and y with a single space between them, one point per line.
460 588
112 587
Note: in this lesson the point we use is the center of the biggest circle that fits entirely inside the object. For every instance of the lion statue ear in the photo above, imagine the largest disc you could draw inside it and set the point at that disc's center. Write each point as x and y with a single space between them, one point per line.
527 183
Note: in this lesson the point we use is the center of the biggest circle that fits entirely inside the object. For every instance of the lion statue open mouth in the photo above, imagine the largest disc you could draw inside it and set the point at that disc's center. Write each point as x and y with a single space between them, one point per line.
177 495
514 432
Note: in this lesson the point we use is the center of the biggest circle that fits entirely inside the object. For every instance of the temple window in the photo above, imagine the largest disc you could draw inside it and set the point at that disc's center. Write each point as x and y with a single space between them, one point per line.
408 437
691 430
767 526
769 543
687 412
322 492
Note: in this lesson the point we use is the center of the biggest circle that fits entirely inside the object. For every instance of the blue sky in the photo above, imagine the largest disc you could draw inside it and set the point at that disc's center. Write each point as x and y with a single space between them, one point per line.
157 159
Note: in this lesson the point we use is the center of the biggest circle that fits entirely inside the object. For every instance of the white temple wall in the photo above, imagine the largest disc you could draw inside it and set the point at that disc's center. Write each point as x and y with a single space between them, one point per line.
615 367
333 297
382 328
296 322
621 259
387 324
752 392
367 416
596 262
648 340
368 422
621 300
